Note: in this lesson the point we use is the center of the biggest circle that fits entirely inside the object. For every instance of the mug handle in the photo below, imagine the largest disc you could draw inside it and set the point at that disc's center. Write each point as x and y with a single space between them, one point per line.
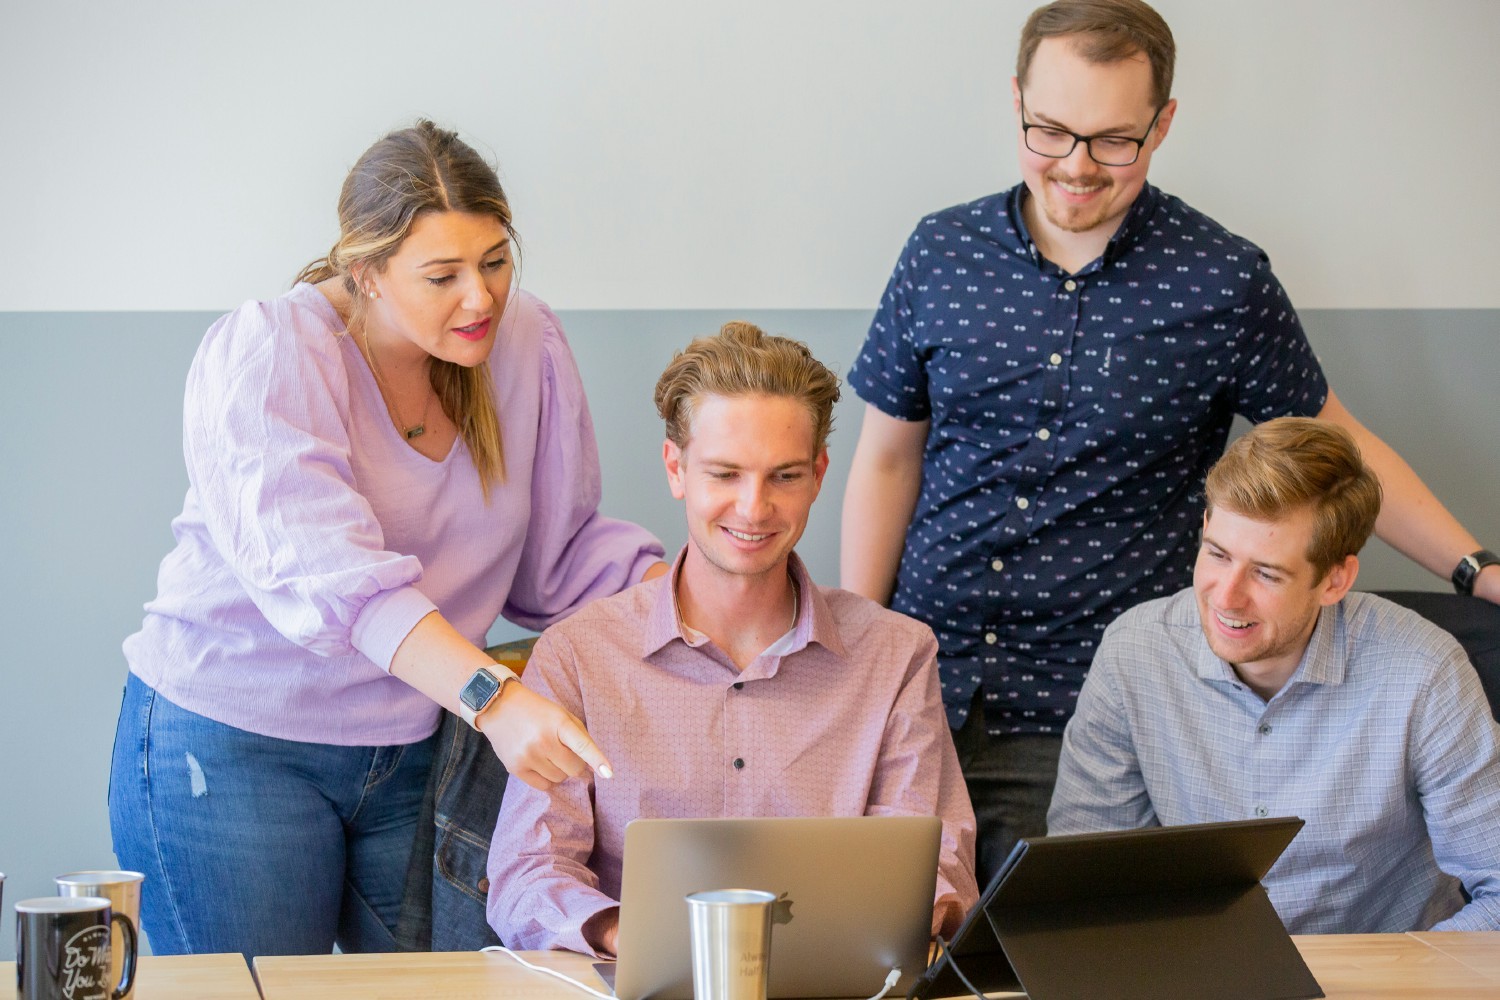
127 969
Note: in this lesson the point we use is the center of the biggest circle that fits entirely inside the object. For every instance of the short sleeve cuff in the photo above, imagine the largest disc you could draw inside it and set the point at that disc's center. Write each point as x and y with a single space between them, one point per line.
893 401
386 620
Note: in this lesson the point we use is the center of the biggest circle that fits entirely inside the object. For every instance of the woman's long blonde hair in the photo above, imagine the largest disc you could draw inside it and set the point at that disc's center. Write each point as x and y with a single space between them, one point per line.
405 175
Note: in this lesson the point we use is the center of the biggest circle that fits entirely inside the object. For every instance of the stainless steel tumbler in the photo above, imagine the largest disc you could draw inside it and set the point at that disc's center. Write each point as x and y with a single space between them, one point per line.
731 937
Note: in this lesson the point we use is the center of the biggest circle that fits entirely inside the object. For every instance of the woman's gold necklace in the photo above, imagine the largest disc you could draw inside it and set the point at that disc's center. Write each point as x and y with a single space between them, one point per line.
409 430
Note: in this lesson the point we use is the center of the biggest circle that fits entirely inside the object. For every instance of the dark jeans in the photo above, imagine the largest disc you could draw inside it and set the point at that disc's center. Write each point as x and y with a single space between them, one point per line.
1010 781
442 908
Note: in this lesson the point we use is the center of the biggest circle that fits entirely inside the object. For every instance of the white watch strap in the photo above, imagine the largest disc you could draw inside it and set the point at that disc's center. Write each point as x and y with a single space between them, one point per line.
471 715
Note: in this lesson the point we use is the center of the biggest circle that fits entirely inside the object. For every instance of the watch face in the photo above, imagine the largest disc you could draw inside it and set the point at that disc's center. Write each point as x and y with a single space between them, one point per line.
480 689
1468 568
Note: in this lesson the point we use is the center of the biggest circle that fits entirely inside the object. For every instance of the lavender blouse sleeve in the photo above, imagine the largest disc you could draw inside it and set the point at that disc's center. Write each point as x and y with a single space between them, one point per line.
572 553
268 456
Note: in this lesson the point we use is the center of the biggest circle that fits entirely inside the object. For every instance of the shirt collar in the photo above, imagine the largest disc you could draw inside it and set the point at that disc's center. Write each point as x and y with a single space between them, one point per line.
815 622
1319 663
1132 228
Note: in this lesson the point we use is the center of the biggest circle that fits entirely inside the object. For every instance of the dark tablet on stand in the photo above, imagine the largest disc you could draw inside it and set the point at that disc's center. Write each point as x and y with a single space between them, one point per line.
1158 913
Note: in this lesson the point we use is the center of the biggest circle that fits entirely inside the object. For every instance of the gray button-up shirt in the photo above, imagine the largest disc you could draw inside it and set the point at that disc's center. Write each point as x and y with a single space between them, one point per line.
1381 740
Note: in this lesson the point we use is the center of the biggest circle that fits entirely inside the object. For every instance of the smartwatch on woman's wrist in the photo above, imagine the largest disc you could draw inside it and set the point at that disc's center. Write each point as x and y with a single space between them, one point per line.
1468 569
479 693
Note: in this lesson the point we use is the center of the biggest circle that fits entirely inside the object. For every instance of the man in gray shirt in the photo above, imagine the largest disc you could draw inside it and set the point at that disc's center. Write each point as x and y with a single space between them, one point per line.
1269 689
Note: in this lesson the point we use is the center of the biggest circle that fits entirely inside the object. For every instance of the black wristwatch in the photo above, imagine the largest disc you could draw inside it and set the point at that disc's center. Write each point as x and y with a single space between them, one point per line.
1468 569
483 688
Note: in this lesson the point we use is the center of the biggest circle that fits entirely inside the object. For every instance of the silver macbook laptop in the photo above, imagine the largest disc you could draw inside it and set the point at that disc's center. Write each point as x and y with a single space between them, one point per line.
855 900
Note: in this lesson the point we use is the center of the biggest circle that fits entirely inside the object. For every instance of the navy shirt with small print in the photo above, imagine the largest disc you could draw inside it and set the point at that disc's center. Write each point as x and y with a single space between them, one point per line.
1073 419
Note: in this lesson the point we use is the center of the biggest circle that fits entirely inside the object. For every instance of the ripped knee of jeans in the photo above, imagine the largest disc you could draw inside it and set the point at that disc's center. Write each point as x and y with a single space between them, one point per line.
197 783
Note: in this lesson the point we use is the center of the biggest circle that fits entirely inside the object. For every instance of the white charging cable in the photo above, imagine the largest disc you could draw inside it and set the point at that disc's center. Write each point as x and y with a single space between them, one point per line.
890 979
551 972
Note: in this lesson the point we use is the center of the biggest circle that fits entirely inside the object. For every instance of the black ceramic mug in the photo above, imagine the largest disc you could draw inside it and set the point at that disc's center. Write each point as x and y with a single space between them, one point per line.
63 949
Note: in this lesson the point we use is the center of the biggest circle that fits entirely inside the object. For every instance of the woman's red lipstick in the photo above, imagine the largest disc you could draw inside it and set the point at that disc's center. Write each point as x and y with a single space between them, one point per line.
474 331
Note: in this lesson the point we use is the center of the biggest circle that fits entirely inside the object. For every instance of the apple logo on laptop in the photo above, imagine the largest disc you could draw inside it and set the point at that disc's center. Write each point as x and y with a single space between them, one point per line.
781 910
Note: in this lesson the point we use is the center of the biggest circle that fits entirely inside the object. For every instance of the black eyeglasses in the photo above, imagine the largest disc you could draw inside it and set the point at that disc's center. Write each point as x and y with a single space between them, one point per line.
1105 150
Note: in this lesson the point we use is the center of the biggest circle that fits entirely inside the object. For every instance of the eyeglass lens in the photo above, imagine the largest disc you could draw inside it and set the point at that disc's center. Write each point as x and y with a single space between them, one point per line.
1107 151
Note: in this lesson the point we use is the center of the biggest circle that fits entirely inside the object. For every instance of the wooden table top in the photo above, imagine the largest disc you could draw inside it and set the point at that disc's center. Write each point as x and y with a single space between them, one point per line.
450 975
1479 951
1431 966
1442 966
177 977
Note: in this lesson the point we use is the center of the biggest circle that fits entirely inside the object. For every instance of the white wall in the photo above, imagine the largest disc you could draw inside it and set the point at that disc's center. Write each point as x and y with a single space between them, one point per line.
181 154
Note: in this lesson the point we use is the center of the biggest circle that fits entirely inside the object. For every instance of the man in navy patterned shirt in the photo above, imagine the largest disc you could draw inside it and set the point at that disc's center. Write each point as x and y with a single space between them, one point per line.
1049 376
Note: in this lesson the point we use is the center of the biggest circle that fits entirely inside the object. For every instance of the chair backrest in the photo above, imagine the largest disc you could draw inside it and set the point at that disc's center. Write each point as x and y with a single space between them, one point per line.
1474 623
513 654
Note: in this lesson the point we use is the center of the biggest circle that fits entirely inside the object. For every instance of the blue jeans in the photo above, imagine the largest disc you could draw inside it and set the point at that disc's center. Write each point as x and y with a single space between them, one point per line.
255 844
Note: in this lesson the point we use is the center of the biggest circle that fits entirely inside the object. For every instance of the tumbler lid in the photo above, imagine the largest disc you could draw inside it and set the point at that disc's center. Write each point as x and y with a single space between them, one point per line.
100 877
731 897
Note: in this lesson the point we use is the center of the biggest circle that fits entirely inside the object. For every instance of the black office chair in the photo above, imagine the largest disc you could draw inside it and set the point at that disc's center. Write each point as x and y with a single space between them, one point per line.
1474 623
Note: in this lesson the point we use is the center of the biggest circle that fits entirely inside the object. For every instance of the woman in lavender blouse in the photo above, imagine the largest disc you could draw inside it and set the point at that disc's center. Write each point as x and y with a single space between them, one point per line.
380 462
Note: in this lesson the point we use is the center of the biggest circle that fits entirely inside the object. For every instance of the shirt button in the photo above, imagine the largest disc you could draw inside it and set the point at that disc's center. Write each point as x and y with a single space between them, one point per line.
1262 812
991 638
739 762
997 564
1022 502
1265 729
1071 285
1044 434
1056 359
739 685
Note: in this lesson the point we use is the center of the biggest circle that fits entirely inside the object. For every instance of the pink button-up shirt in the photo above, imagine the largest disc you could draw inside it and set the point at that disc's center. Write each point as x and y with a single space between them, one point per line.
841 717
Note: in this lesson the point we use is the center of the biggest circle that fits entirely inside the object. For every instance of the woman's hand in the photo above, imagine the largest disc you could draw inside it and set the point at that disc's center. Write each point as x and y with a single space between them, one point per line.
538 741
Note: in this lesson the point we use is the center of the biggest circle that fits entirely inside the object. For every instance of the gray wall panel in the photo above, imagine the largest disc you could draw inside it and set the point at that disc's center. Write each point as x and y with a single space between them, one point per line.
1424 380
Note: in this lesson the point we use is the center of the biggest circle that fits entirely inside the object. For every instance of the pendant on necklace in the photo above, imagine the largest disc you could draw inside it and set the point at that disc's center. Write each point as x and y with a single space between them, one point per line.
415 432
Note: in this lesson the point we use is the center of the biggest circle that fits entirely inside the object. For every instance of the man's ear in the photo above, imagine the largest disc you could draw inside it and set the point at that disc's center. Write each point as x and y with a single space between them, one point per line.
820 466
1015 95
674 459
1164 121
1338 581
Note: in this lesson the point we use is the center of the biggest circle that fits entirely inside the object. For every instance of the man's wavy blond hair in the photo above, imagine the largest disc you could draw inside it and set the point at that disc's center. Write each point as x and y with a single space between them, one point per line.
1299 462
743 360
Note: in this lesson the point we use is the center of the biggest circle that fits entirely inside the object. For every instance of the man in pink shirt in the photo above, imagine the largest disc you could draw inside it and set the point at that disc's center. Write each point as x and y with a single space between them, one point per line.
734 686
